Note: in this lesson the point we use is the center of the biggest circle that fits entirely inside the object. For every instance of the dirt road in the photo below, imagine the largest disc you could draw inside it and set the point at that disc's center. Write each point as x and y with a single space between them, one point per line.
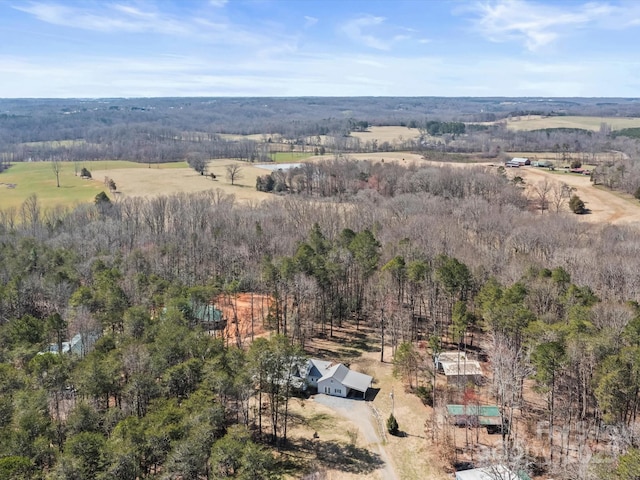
604 206
360 413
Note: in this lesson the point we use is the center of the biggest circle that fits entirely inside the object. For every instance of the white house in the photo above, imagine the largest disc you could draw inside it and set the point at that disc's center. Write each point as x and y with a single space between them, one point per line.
335 379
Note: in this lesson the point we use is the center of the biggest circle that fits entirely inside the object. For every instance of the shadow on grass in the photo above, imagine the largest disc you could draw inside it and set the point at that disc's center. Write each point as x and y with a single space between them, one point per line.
346 458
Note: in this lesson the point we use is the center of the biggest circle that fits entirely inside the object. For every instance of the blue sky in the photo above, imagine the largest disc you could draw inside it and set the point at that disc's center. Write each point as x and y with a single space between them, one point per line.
131 48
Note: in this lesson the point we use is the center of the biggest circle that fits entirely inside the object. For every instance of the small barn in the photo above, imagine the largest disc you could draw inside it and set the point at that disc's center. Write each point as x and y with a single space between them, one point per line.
336 379
518 162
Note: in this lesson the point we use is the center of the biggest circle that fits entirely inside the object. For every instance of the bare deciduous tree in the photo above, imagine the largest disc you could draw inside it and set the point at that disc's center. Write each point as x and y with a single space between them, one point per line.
234 172
56 166
541 191
560 194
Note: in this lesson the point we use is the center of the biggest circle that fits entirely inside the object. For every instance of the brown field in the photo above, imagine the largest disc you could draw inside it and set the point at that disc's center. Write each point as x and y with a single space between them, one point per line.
537 122
387 134
375 157
151 182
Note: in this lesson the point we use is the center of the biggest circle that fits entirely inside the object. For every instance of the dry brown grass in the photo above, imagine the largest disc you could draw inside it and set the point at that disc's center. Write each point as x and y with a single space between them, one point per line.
387 134
152 182
604 206
537 122
405 158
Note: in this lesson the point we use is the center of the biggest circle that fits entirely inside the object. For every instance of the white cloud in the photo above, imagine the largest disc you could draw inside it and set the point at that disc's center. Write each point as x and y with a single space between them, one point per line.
537 25
309 21
358 31
322 75
218 3
112 18
122 17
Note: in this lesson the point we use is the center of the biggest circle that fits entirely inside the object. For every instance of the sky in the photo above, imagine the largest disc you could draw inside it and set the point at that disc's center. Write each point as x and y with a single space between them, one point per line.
182 48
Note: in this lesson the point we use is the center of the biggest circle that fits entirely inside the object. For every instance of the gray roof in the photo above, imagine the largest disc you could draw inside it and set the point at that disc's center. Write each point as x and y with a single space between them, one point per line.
317 368
350 379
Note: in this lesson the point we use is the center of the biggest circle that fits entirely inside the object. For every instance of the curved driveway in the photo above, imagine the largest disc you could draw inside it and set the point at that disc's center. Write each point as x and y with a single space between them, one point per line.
360 413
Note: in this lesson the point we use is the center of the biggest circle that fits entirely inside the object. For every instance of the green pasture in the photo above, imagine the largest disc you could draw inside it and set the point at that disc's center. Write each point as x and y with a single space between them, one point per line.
29 178
569 121
289 157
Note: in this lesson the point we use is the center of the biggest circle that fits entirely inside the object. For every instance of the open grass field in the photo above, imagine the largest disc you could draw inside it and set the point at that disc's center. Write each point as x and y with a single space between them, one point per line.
537 122
290 157
22 180
149 182
387 134
132 179
375 157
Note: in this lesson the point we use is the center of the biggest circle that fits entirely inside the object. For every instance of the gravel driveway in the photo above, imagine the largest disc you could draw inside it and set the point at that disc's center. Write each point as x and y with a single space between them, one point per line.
361 414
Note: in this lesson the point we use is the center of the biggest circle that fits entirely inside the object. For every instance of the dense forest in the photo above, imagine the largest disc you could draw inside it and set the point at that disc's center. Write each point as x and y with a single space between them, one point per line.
446 254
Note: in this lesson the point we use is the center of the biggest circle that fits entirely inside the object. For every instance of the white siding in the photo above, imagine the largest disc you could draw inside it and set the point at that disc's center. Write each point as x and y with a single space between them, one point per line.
332 387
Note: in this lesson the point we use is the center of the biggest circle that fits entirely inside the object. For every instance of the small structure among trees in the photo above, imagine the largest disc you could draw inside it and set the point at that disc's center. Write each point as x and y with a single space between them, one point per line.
458 368
476 416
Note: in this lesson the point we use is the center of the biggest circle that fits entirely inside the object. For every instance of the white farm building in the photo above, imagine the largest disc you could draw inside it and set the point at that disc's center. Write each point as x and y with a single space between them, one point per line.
336 379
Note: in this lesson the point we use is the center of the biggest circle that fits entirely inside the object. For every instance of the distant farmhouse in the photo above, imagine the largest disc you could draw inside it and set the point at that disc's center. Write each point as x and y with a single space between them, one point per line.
516 162
335 379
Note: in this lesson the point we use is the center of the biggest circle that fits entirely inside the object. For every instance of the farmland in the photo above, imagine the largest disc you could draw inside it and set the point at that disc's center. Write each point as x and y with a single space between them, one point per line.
537 122
37 178
25 179
382 253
